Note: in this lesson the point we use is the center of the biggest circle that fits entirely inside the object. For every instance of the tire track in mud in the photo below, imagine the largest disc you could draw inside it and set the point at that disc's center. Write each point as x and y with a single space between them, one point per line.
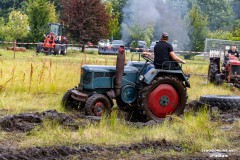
89 152
27 121
93 152
85 152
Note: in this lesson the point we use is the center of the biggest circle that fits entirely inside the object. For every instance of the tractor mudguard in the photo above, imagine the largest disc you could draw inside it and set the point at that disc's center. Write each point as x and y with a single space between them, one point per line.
78 96
152 73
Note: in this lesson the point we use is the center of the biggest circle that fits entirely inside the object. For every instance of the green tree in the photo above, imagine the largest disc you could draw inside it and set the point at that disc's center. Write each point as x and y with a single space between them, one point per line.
197 24
53 17
40 13
57 4
113 24
7 6
117 16
236 6
220 34
118 6
236 30
219 13
17 26
141 32
233 34
2 22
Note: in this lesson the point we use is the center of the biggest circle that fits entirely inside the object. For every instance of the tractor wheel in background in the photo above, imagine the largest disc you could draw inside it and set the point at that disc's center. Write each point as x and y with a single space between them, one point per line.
68 102
224 102
39 47
98 105
212 71
64 50
164 96
57 49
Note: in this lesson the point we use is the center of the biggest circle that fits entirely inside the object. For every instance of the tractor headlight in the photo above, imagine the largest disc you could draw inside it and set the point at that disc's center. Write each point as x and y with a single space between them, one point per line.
141 77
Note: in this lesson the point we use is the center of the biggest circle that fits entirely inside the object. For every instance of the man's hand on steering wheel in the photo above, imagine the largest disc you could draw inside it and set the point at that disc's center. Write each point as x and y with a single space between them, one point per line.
147 53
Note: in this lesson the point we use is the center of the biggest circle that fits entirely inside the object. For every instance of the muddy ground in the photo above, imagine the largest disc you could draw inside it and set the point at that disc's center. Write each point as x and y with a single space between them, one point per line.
93 152
25 122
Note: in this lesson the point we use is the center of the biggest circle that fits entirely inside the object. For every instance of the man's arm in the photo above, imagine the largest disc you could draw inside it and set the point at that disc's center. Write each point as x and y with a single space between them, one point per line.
237 54
150 54
176 58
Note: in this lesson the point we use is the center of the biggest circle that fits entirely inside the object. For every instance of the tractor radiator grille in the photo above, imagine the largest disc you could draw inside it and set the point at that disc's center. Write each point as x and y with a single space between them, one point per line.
236 69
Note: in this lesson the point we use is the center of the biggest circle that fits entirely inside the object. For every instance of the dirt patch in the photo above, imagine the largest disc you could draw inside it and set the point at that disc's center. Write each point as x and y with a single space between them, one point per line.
88 152
226 116
145 150
27 121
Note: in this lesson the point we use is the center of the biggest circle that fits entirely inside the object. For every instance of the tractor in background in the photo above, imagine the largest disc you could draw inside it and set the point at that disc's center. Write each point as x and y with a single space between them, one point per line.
55 40
228 72
149 94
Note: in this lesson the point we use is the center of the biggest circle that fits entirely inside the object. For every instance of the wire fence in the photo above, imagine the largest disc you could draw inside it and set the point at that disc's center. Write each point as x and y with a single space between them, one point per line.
94 48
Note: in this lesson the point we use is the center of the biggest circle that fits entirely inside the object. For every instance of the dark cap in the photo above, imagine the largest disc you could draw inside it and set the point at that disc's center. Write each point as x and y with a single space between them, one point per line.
164 34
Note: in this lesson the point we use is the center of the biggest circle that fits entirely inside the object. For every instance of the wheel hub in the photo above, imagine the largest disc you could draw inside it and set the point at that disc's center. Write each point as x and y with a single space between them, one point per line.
128 94
164 101
98 109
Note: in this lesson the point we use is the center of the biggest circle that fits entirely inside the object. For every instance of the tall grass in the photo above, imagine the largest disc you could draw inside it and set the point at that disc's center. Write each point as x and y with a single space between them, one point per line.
192 132
200 86
41 76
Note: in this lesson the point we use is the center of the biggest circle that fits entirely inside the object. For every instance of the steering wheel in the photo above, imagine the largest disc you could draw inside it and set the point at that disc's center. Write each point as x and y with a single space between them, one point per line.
147 57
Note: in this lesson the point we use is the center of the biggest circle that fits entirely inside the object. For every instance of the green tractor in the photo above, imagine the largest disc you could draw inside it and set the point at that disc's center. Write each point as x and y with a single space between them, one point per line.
151 94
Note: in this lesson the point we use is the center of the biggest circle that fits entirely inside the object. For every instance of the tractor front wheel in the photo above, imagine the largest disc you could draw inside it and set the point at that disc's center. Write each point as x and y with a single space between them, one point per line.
64 50
68 102
98 105
213 70
57 49
164 96
39 47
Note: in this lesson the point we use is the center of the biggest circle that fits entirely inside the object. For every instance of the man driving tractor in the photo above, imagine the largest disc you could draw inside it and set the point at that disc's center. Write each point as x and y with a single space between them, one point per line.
233 51
163 54
50 42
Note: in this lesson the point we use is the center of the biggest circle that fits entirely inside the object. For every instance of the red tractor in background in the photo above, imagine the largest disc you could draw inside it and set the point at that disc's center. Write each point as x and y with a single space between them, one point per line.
228 72
55 40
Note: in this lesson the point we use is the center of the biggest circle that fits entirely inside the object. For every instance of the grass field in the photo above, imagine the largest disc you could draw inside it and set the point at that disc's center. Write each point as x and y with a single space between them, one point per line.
33 82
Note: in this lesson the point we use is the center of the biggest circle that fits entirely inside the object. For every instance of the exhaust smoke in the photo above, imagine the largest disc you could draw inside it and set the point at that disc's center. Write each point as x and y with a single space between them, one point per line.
163 15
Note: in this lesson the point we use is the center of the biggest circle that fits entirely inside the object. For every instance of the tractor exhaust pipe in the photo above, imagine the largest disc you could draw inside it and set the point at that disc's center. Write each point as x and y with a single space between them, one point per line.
119 70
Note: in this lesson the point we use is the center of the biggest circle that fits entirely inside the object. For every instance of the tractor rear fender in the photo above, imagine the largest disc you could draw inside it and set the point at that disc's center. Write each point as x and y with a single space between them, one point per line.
152 73
78 96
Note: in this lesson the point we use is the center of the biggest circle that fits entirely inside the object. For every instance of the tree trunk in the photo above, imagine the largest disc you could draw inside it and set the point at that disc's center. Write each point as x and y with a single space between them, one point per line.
83 47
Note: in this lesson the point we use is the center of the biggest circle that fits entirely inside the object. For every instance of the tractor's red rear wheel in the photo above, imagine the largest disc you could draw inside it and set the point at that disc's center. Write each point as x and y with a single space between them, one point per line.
165 96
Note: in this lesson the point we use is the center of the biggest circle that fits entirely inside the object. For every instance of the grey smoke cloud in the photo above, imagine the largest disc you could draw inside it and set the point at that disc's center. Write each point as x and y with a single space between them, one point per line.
164 16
